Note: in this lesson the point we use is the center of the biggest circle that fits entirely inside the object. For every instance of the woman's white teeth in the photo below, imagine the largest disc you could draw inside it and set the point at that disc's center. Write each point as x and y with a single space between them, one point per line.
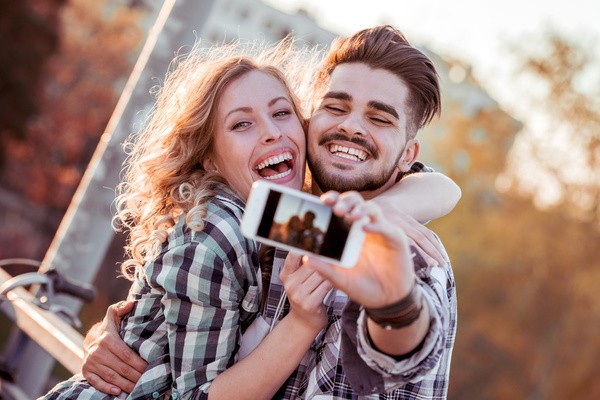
349 153
278 176
274 160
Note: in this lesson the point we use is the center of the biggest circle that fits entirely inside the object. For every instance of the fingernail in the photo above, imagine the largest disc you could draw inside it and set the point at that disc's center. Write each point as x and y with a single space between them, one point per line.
115 390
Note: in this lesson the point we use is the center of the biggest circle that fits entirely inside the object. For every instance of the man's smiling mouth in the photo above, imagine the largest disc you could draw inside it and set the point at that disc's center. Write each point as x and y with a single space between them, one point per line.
276 167
347 153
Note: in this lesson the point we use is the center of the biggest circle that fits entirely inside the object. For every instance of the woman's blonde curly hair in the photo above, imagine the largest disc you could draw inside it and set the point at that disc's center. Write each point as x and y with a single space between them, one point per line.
164 177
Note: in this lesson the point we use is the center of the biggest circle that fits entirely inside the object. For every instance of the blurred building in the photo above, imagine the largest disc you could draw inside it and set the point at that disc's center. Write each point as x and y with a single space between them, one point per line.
220 21
254 19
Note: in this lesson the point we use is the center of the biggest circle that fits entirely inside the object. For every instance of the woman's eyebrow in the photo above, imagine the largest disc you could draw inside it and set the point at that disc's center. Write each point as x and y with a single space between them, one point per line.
243 109
276 99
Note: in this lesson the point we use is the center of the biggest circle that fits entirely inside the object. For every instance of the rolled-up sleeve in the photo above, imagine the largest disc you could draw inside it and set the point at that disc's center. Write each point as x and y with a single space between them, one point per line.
370 371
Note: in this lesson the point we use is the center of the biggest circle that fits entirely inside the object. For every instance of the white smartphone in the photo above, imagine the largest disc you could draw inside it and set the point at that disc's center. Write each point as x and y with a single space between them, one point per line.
300 222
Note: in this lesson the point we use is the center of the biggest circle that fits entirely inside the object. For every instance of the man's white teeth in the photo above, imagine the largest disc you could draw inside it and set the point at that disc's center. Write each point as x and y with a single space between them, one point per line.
274 160
278 176
349 153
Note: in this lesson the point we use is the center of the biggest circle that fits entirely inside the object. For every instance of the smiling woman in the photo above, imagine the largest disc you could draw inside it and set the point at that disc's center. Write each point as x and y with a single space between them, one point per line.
258 135
221 122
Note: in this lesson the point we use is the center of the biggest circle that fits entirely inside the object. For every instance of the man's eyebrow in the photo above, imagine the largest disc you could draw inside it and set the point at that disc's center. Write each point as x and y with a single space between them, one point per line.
372 104
384 107
338 95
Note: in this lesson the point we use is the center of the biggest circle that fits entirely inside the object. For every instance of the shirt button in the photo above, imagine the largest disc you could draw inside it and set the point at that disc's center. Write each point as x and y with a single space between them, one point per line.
155 395
175 395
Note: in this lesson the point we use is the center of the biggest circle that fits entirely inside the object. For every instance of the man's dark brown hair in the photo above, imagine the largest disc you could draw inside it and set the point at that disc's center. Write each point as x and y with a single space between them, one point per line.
385 47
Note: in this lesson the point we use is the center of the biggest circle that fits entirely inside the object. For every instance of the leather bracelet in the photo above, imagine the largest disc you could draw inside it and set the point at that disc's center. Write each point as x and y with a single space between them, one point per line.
400 314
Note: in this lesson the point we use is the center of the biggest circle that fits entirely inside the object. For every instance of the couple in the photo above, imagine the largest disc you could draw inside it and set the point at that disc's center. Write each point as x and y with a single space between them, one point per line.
219 125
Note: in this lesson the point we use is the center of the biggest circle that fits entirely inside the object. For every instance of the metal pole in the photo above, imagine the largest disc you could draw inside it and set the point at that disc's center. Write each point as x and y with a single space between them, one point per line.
85 232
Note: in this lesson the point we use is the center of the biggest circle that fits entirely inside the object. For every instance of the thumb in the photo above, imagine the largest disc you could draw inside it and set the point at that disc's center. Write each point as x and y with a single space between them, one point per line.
124 308
293 261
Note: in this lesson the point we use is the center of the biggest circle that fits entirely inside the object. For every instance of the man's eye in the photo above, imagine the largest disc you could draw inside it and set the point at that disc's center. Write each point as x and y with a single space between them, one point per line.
380 121
335 109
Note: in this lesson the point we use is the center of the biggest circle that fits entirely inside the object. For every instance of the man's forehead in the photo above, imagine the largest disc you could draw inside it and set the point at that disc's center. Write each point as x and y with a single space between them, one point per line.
375 87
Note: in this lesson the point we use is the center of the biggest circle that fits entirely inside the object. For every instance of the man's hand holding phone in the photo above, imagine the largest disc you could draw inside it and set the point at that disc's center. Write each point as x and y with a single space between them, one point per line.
384 273
300 222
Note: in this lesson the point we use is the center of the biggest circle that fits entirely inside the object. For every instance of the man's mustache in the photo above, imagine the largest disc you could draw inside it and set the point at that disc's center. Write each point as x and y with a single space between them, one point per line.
356 140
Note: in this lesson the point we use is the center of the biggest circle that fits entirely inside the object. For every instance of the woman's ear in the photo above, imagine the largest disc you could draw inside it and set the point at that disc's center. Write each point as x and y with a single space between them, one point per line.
209 165
409 155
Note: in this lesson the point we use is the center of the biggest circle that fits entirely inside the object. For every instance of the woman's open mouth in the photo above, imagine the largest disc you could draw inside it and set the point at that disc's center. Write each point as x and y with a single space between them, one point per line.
276 167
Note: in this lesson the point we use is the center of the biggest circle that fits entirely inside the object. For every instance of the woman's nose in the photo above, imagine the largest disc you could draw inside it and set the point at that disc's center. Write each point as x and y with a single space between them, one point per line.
270 132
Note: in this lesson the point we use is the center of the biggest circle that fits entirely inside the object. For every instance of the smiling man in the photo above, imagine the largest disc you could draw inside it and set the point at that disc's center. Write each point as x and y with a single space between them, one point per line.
358 134
389 338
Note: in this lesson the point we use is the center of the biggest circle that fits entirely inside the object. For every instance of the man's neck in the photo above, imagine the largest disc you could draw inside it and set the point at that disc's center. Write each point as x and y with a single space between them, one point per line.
367 195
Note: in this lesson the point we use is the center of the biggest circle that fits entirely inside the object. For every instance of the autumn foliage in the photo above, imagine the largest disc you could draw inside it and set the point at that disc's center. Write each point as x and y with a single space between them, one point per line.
526 278
78 81
80 91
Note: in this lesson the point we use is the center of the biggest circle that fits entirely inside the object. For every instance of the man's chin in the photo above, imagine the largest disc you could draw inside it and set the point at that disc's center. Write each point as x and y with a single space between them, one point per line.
332 177
344 184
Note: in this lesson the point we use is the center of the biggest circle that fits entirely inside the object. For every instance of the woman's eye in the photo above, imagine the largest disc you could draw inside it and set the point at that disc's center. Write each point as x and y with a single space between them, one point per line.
282 113
240 125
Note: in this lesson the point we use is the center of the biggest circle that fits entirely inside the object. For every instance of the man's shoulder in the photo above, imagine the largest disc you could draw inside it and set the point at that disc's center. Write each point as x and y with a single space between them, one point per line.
418 166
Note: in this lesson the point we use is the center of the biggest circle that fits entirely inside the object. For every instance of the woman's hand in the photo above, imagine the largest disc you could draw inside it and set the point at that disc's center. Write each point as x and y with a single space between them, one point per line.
306 289
423 239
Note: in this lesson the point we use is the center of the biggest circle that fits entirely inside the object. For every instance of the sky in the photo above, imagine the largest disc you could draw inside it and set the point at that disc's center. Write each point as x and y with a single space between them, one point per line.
473 31
477 33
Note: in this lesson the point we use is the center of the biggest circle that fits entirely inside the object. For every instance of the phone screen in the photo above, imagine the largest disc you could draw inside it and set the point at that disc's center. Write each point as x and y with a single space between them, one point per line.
303 224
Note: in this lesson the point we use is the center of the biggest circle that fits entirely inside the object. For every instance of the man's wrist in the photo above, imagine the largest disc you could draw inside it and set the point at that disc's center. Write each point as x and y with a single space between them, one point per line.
92 334
400 314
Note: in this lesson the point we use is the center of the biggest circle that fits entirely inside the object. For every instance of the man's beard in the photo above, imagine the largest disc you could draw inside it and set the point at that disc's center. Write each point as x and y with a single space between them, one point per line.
366 182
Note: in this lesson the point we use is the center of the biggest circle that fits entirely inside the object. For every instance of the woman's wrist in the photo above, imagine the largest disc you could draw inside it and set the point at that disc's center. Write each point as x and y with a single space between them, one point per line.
311 326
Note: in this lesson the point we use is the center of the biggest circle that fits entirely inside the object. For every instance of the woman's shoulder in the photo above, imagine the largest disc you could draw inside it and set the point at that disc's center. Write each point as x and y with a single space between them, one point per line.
220 244
226 206
221 231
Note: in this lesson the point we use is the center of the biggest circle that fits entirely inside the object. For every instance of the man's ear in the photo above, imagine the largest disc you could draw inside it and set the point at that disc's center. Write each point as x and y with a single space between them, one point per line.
409 155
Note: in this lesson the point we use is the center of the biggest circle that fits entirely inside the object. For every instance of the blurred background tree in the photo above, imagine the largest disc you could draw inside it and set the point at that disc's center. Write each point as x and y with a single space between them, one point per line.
567 154
526 276
28 37
62 71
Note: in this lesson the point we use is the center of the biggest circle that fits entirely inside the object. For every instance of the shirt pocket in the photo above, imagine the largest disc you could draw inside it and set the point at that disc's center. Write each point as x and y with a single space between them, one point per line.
250 306
251 301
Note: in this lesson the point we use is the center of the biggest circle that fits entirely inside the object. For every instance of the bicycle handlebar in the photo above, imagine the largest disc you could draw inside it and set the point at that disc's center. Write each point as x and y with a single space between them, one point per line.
62 284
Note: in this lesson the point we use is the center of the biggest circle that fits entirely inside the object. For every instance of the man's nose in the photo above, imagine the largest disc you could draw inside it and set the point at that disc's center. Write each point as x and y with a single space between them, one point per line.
352 125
